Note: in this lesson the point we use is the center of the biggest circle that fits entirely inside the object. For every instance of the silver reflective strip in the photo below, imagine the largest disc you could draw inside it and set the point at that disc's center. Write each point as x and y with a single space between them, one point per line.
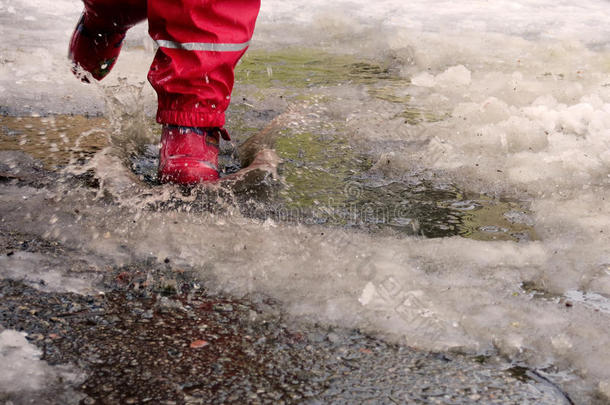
202 46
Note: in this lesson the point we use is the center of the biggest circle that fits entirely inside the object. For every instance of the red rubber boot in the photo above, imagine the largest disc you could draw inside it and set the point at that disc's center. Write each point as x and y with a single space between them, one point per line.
98 37
189 155
94 51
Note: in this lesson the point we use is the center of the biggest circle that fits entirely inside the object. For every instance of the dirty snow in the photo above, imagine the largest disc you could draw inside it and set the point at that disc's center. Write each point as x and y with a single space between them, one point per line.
23 375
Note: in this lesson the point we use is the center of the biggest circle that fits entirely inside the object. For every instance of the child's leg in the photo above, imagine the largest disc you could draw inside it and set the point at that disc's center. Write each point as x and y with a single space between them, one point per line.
200 42
97 39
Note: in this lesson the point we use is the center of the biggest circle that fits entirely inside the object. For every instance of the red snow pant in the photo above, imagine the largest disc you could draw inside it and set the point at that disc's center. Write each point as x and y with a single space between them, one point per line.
200 42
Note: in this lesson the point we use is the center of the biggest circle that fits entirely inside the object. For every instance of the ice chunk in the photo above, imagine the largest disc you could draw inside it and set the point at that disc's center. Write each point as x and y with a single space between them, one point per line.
424 79
22 368
455 76
24 376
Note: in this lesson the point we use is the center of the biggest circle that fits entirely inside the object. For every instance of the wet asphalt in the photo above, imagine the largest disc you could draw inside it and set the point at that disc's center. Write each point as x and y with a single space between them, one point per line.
154 335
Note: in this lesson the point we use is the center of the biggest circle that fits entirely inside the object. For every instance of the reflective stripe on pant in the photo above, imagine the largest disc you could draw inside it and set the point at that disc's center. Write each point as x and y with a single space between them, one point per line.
200 42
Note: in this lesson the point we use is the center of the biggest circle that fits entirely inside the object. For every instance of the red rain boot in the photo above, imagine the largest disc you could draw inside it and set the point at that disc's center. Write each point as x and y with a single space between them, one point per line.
94 51
189 155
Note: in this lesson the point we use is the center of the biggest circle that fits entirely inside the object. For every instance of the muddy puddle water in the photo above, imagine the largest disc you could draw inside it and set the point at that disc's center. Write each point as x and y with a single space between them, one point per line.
326 177
56 140
332 188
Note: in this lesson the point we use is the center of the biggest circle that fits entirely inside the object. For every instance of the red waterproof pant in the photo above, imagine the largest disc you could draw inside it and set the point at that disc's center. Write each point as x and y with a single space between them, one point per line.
200 42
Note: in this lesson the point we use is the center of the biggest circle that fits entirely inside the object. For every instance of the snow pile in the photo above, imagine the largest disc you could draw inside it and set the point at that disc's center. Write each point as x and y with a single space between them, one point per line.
586 20
555 140
22 369
24 377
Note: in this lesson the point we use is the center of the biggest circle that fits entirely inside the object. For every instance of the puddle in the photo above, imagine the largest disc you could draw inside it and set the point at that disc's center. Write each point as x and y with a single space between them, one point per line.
55 140
325 182
291 71
297 67
326 179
